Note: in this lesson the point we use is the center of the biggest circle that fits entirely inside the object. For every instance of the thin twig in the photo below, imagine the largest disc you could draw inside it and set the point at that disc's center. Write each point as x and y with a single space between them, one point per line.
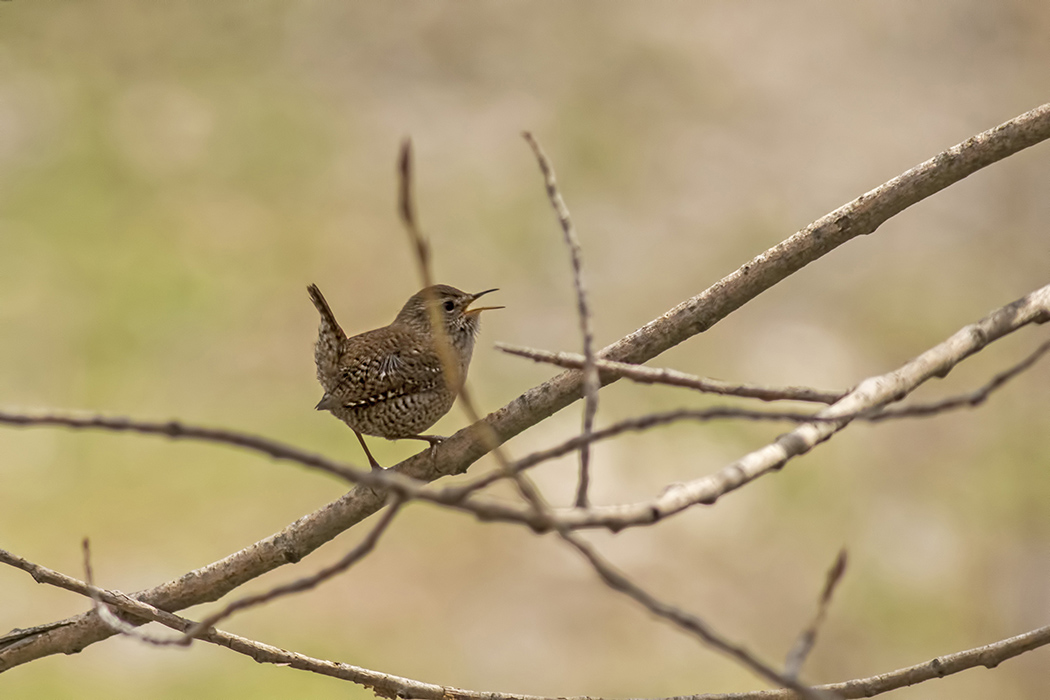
616 580
421 248
306 583
591 383
671 377
178 430
797 656
407 210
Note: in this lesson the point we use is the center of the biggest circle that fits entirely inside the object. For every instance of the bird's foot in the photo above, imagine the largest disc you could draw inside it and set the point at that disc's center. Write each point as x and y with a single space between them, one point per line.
434 440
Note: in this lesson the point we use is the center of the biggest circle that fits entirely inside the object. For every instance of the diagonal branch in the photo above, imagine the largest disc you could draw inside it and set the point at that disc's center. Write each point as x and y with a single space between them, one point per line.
859 217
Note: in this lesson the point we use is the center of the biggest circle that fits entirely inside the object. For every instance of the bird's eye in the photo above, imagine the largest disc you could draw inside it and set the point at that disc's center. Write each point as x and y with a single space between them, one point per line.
449 305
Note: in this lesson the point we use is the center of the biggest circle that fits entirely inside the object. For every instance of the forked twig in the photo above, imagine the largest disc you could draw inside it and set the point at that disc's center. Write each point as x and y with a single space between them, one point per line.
970 400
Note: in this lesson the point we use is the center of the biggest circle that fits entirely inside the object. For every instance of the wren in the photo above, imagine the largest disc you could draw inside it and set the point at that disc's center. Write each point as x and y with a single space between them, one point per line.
393 382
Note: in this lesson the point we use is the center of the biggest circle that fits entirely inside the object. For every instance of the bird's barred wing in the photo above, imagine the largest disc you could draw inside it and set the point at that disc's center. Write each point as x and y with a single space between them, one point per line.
372 370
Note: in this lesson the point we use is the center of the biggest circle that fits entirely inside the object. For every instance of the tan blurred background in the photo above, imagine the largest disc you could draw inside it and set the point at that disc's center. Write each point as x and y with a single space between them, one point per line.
172 176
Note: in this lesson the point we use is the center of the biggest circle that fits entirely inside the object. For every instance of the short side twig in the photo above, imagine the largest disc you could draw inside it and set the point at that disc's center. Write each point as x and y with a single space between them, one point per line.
797 656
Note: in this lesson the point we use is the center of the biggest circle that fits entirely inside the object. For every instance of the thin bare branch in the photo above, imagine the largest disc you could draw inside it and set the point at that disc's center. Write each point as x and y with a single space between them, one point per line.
797 656
989 656
306 583
591 383
456 496
652 420
671 377
177 430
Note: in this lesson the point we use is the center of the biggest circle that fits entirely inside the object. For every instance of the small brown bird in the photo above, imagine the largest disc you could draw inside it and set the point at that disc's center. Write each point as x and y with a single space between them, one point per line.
390 382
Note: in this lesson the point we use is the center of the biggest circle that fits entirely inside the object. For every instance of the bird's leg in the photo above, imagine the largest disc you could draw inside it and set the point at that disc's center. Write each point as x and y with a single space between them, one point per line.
432 439
371 459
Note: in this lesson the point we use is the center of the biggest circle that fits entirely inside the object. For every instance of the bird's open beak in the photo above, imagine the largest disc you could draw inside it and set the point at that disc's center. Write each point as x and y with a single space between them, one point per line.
479 309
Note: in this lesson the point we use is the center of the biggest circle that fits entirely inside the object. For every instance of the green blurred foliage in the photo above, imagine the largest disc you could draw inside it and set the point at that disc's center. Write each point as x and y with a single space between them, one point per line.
173 174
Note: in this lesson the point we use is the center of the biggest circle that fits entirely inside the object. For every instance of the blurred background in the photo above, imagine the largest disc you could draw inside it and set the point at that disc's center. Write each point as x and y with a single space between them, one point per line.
173 175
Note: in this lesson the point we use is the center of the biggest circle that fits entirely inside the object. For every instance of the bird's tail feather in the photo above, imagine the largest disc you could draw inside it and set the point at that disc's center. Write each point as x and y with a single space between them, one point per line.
330 338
